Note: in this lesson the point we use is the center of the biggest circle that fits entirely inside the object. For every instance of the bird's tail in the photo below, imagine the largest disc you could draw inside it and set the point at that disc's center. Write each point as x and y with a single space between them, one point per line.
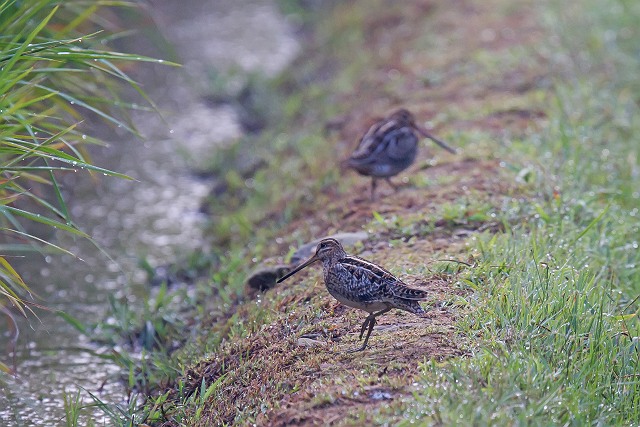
409 293
346 164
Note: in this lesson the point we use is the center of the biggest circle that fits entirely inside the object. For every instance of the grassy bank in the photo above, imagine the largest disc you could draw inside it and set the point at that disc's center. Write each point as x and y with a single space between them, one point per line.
538 324
558 294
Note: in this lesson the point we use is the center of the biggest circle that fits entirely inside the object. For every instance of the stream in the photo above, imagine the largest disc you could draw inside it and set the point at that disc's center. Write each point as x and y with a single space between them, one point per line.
155 217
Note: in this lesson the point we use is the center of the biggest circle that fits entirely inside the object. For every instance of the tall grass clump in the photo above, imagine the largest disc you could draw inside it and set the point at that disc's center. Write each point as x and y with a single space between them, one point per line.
556 332
56 71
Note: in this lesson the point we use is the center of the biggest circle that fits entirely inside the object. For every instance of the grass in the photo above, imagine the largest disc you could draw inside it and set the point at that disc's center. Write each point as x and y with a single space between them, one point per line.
76 411
55 72
536 320
557 296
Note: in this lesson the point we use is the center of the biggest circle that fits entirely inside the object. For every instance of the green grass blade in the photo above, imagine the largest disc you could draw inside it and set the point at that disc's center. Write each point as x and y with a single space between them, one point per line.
78 325
43 220
592 224
12 61
44 242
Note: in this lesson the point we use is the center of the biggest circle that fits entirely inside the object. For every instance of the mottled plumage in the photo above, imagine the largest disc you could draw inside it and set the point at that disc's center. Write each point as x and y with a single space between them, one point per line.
361 284
389 147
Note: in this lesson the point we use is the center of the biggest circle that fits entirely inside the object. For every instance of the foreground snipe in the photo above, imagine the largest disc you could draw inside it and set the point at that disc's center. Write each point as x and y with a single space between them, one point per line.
389 147
362 284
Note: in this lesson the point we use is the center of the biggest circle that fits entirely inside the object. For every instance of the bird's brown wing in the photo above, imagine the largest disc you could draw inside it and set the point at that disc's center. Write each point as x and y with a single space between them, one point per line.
400 142
380 280
369 274
369 143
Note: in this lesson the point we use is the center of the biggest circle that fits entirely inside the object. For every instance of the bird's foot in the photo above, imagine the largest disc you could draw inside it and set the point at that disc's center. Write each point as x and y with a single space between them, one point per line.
357 350
393 185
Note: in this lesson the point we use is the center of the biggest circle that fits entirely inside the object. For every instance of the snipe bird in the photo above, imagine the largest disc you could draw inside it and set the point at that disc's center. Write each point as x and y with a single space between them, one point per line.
389 147
361 284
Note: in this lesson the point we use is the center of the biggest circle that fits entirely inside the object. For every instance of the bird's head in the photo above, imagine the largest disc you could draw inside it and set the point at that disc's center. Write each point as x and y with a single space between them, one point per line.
327 250
403 116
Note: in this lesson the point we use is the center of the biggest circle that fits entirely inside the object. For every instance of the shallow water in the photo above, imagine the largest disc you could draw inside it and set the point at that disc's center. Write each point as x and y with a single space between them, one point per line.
155 217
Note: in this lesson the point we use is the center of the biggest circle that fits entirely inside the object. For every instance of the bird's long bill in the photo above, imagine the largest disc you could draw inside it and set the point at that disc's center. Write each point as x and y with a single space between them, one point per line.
298 268
436 140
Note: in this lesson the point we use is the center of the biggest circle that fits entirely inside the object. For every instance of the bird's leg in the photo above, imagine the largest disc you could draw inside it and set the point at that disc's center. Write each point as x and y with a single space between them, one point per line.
374 183
372 323
369 321
364 326
394 186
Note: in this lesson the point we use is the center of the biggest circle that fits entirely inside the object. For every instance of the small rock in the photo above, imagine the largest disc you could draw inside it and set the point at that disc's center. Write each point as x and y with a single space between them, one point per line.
308 342
265 277
381 395
312 335
462 232
307 250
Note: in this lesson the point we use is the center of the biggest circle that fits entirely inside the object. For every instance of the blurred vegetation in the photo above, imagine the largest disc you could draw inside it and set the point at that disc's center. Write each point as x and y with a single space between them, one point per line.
56 72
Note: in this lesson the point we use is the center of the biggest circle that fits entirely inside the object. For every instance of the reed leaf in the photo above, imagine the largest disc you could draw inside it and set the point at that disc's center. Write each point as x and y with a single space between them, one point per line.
55 70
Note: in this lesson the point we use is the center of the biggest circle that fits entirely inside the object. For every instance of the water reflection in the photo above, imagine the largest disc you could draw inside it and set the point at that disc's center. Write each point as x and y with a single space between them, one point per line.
157 216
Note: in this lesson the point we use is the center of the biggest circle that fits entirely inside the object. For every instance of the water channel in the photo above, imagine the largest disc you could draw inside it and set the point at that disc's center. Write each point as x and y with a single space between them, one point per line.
156 217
